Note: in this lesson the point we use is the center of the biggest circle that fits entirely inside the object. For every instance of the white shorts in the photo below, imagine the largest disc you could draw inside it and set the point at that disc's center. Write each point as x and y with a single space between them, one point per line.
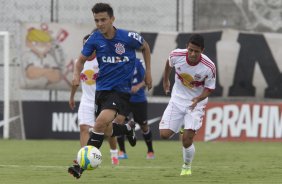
86 114
177 115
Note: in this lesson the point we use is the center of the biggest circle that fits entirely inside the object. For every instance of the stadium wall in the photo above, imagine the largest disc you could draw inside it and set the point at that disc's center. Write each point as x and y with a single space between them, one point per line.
248 64
224 121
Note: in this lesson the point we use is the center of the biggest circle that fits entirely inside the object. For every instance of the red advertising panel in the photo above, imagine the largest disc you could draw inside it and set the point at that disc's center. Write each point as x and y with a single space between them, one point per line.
225 121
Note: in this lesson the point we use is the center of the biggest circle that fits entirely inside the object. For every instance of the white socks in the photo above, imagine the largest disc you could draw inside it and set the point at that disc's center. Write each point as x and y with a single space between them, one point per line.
114 153
188 154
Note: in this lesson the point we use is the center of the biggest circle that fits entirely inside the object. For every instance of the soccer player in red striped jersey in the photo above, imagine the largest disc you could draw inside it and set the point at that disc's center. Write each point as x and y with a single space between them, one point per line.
195 76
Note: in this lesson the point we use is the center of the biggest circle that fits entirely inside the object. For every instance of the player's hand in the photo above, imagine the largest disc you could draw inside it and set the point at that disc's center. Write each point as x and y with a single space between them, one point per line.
166 86
194 103
72 104
134 89
148 80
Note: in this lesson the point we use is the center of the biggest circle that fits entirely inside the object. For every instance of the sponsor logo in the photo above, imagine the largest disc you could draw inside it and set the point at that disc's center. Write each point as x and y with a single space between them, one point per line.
64 122
197 77
246 121
114 59
150 121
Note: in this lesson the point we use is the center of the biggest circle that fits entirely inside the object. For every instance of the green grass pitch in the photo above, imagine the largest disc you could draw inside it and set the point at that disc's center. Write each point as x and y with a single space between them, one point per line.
46 162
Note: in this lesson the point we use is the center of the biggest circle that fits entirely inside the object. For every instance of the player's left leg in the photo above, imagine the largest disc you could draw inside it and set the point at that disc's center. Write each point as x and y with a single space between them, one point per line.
188 151
148 138
113 150
192 123
86 120
84 134
120 119
139 112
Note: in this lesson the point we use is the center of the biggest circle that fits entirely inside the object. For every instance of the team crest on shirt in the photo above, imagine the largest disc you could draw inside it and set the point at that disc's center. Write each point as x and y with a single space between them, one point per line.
197 77
120 48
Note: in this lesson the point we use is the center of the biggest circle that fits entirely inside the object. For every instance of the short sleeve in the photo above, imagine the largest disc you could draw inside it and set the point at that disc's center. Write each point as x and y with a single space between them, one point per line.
136 40
211 78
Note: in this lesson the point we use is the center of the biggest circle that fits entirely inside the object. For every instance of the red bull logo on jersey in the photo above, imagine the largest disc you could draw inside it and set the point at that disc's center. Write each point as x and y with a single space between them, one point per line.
89 77
186 79
120 48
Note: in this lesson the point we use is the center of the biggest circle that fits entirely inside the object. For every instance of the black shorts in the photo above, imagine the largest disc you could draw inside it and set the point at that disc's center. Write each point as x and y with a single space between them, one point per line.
139 112
111 100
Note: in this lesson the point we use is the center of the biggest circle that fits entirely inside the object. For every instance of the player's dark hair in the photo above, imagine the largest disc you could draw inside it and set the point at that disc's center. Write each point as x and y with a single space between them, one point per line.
85 38
198 40
103 7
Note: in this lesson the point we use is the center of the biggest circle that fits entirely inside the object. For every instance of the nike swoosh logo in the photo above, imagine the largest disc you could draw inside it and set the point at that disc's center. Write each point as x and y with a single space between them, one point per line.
2 123
150 121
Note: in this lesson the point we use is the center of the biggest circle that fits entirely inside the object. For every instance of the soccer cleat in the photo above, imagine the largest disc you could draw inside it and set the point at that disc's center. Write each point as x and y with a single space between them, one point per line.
75 170
150 155
186 170
181 131
122 155
131 134
115 161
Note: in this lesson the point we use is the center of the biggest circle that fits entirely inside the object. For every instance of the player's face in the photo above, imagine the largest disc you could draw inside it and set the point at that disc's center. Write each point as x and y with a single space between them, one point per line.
103 22
194 53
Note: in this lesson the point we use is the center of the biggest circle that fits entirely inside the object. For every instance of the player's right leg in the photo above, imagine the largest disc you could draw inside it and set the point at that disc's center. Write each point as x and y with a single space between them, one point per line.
171 121
104 118
96 137
75 170
102 122
84 134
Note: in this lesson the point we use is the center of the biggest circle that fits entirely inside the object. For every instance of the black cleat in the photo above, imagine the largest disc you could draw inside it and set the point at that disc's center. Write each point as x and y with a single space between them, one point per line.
131 134
75 170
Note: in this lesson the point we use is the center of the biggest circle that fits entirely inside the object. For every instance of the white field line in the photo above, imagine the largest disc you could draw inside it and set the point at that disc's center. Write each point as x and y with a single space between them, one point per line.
59 167
103 166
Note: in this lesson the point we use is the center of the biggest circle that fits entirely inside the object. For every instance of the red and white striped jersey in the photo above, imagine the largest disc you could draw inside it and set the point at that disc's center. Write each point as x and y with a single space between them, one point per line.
191 79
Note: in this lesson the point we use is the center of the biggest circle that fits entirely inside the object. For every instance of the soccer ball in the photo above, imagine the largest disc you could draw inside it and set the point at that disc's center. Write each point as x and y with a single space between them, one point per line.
89 157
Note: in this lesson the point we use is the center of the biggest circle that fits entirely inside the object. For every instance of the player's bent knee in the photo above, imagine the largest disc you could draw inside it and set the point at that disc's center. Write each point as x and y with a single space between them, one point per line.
166 134
144 128
187 144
